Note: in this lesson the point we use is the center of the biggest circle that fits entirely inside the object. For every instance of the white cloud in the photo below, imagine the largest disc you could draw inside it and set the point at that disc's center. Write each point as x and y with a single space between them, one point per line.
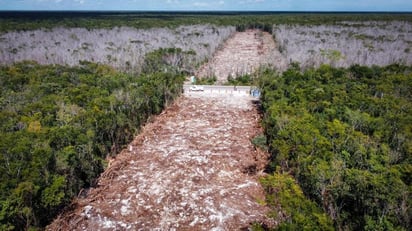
173 1
201 4
251 1
56 1
209 4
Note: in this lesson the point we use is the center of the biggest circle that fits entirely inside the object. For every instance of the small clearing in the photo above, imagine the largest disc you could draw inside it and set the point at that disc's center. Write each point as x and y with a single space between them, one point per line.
242 54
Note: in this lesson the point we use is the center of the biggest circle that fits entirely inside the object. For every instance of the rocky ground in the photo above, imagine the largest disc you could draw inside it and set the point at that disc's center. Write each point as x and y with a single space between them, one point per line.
192 168
242 54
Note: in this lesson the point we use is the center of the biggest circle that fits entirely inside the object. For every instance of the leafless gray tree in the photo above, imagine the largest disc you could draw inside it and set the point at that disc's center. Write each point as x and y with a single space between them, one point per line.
347 43
122 47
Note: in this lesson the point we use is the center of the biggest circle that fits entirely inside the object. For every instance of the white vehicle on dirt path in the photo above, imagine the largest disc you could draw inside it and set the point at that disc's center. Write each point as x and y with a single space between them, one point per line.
196 88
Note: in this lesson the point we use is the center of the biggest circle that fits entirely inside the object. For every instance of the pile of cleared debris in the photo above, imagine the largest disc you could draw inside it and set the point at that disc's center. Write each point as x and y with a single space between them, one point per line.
193 167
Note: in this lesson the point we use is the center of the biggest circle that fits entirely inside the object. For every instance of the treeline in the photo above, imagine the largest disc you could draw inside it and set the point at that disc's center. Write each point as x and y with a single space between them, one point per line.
122 47
59 123
21 21
345 136
346 43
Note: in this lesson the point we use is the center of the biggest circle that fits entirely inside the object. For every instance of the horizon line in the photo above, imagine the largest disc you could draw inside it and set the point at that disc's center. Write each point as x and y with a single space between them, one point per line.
218 11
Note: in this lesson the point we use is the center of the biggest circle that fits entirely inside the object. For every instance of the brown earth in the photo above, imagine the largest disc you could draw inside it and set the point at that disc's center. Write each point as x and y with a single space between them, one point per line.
243 53
192 168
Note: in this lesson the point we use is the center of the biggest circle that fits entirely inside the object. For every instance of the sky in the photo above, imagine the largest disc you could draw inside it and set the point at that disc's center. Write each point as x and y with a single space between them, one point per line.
210 5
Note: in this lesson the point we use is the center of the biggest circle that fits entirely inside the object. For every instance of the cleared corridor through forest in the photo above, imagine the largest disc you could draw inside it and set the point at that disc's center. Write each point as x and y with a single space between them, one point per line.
192 168
242 54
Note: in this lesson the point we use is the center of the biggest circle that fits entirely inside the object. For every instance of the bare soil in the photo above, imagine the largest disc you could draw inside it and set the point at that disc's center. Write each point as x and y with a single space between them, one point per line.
242 54
192 168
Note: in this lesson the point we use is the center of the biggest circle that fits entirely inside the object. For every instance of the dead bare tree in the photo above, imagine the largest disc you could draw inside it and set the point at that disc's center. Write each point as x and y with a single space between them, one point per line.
121 47
347 43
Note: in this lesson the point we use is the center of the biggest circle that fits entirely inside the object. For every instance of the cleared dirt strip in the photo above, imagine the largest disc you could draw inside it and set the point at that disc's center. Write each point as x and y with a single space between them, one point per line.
242 54
192 168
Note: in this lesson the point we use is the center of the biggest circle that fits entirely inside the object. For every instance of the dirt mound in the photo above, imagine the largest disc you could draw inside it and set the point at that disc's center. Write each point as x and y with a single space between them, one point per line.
242 54
192 168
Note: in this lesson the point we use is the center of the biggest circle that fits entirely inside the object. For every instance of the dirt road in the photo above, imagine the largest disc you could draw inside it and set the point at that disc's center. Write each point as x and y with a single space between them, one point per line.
242 54
192 168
